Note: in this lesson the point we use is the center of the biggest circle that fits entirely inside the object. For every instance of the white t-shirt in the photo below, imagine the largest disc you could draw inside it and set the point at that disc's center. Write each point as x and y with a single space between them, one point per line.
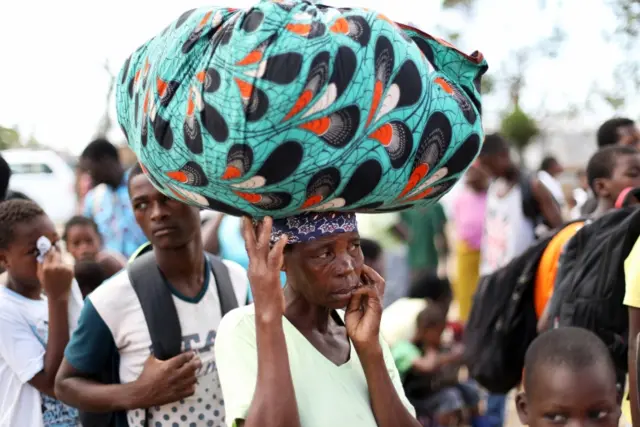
24 330
507 231
112 320
554 187
327 395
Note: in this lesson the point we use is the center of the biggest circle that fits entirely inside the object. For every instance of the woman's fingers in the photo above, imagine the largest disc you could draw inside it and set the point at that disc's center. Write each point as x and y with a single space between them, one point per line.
276 254
265 232
249 234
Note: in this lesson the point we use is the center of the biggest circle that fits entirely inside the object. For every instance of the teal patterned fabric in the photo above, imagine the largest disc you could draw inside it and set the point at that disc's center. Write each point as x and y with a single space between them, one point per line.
289 107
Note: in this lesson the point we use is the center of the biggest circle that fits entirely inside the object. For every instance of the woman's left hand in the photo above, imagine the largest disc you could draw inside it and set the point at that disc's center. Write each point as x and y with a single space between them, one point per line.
364 312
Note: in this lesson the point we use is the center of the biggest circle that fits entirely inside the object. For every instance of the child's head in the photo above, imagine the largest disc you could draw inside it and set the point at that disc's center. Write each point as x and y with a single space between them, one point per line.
89 275
22 223
569 378
437 290
82 238
477 178
612 169
495 156
430 325
372 253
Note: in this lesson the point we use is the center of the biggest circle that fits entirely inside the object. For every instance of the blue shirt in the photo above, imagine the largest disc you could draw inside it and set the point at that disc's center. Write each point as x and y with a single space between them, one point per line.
111 210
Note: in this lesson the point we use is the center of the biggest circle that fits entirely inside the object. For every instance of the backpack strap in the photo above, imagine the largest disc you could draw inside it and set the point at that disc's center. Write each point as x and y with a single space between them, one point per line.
226 292
157 306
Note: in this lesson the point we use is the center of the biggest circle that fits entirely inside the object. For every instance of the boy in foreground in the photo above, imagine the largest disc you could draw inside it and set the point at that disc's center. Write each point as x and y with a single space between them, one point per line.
569 379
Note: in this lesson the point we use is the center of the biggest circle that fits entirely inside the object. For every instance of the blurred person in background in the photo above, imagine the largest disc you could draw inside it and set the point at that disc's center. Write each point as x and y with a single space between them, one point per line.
427 242
550 170
388 230
108 202
5 178
580 194
508 231
372 253
468 217
616 131
84 242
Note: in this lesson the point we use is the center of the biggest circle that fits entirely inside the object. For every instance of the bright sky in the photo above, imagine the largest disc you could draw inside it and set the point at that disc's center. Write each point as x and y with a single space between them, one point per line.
52 81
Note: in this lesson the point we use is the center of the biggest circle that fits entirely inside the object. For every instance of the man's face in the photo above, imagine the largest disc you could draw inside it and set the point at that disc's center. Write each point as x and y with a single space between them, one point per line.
625 174
167 223
100 172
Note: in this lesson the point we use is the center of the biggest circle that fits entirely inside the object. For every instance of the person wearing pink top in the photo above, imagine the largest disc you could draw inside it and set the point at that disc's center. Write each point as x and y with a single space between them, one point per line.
468 216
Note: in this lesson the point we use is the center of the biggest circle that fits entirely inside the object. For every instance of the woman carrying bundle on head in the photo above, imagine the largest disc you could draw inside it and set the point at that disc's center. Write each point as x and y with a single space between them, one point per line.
306 114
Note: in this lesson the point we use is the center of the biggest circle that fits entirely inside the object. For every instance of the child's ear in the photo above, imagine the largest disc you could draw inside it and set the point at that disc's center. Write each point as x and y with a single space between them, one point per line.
601 188
523 408
3 260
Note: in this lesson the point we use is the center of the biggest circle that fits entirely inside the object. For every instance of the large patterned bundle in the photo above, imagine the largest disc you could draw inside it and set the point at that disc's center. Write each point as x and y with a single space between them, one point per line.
290 106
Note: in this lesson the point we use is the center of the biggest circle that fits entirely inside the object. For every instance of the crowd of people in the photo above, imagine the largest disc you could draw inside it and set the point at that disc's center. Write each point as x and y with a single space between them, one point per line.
147 310
63 348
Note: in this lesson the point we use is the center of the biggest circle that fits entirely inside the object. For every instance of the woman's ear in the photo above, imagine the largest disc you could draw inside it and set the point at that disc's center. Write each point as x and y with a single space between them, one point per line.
523 408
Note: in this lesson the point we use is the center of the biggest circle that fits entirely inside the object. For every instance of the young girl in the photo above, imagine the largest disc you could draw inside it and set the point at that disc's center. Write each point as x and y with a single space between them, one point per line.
84 243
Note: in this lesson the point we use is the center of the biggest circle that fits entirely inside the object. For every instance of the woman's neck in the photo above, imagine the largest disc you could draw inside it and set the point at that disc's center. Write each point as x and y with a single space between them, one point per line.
304 315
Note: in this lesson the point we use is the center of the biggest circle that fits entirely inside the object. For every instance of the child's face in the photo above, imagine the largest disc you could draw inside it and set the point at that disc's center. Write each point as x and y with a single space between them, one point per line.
83 243
626 173
19 259
432 336
563 396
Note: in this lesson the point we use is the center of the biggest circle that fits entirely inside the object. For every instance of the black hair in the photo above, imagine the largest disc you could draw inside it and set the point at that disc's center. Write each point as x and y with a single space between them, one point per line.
494 143
12 213
370 248
5 176
99 150
135 170
430 286
547 163
89 275
608 131
602 163
81 221
433 315
570 347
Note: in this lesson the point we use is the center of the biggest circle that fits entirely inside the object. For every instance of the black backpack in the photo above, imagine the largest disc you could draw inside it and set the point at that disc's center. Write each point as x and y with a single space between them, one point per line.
503 321
162 320
591 292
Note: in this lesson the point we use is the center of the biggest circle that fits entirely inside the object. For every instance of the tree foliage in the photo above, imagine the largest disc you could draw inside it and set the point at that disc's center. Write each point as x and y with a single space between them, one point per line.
519 128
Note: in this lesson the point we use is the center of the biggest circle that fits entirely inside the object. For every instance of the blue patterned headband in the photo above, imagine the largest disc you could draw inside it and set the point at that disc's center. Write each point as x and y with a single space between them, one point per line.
313 225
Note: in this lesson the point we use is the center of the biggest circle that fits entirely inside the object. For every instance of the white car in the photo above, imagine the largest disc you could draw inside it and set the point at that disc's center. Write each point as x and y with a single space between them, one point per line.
46 178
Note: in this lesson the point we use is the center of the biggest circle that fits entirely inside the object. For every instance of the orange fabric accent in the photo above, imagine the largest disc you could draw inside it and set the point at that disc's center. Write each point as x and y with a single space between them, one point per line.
548 267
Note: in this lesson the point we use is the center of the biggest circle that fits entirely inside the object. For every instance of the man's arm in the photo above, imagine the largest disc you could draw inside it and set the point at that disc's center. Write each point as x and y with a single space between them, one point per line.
548 206
89 354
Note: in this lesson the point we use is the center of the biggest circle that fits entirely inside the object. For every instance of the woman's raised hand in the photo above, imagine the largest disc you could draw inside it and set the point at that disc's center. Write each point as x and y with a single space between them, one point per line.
265 263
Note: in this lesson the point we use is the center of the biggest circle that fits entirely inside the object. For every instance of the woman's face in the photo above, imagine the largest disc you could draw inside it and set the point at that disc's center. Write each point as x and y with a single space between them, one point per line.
326 271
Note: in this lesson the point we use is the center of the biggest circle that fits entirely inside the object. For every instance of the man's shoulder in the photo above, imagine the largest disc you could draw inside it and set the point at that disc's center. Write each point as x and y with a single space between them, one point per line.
239 280
114 295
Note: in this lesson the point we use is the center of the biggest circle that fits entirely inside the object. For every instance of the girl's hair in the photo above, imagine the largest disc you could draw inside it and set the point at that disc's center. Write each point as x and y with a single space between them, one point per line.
80 221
